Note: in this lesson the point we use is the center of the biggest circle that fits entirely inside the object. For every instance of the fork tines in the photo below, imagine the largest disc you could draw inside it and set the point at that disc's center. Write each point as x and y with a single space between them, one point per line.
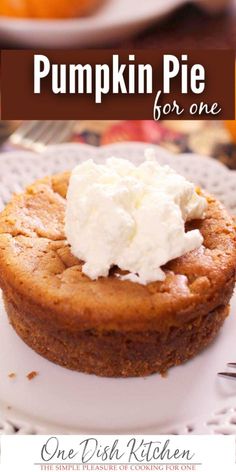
36 135
229 375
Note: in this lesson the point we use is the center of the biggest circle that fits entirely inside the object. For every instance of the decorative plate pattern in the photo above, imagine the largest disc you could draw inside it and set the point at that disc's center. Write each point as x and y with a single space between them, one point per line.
21 168
18 169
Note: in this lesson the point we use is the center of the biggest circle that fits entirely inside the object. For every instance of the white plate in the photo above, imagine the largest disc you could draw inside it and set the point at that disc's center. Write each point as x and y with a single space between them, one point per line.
116 20
191 399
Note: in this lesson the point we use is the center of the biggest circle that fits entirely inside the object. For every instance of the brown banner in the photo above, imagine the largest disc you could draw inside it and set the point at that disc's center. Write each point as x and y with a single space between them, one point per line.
122 84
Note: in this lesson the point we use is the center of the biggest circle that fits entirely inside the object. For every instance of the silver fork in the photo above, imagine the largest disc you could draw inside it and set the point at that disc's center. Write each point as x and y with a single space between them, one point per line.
36 135
229 375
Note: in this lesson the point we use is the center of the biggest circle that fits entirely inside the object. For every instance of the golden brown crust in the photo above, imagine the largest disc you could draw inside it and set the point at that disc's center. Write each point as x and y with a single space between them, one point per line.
42 280
116 353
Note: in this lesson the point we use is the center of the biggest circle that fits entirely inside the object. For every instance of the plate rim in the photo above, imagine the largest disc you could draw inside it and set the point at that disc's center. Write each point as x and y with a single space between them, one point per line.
119 145
93 31
84 22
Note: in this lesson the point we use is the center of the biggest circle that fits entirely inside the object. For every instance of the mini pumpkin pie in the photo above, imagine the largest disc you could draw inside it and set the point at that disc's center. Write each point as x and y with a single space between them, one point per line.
47 9
110 327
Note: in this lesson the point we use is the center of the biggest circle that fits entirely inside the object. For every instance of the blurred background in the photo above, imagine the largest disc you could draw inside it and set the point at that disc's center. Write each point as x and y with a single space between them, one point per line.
121 23
211 138
129 24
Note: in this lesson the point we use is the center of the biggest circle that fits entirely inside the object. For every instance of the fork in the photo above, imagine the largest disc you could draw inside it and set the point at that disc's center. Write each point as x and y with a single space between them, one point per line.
36 135
229 375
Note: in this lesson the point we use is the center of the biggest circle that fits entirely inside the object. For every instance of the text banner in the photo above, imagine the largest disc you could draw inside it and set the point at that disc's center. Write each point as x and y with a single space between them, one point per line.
118 84
118 453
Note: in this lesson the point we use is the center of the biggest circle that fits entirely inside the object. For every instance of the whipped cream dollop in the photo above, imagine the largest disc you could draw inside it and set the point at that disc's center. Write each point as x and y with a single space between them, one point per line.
133 217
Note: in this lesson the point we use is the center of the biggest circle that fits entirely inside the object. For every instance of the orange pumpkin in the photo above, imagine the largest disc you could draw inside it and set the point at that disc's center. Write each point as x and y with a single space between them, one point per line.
46 8
231 126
